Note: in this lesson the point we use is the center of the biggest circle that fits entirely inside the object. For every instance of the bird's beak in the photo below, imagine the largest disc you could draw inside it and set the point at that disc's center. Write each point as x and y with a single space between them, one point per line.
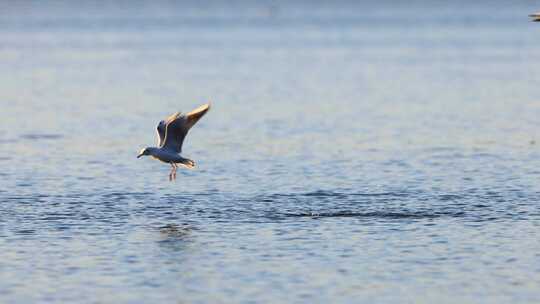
139 156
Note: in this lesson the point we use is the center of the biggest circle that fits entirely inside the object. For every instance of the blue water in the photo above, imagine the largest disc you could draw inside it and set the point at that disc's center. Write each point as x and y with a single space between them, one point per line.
355 152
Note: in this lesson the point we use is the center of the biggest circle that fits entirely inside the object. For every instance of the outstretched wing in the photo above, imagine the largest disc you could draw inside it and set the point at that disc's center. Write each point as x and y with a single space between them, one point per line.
178 125
160 129
535 17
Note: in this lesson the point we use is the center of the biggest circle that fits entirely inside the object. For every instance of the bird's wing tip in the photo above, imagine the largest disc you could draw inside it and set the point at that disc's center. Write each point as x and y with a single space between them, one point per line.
203 108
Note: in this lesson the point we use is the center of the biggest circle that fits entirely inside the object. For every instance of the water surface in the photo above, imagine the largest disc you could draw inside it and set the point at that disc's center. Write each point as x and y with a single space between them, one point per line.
355 152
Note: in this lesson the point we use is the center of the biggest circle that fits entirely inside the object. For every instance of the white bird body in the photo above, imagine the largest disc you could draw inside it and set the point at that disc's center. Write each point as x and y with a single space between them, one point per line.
165 156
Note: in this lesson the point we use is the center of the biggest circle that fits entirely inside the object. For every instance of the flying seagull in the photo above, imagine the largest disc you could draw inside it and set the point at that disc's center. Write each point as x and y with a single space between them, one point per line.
535 16
171 133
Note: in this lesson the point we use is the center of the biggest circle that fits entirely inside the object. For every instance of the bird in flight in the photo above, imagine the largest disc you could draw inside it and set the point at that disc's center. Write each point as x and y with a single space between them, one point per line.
535 17
171 134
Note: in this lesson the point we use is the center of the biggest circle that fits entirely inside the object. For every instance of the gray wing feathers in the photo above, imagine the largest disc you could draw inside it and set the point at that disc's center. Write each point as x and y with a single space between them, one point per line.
178 125
161 132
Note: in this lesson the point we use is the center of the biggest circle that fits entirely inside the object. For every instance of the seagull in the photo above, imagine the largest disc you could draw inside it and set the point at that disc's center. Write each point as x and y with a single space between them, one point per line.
171 133
535 16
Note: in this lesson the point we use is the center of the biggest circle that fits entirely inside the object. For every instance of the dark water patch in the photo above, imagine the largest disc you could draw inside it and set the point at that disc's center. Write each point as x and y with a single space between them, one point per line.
63 227
95 162
157 207
115 195
449 197
484 155
468 205
378 214
58 216
24 184
25 232
124 195
480 206
275 197
329 194
323 193
381 194
24 199
339 195
42 136
440 149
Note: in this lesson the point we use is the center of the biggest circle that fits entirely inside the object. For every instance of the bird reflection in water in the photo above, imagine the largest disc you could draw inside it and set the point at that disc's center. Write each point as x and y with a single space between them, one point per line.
175 237
177 231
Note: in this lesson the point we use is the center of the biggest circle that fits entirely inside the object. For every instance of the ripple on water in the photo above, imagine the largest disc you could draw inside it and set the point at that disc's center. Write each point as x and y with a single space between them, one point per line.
25 231
117 207
382 215
41 136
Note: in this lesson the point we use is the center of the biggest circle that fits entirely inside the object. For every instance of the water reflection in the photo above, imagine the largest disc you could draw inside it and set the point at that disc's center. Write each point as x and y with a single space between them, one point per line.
176 231
175 238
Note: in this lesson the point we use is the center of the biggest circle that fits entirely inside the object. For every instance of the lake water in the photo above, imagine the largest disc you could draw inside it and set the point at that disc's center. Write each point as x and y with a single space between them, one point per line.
355 152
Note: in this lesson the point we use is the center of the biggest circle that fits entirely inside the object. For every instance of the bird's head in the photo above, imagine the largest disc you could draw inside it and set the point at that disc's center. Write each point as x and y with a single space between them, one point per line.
144 152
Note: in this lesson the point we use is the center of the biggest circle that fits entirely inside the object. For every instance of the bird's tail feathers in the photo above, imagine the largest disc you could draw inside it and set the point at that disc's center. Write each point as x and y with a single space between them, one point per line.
188 163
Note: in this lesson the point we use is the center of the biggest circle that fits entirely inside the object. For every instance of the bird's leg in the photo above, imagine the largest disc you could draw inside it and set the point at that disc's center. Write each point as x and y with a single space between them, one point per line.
175 168
172 172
